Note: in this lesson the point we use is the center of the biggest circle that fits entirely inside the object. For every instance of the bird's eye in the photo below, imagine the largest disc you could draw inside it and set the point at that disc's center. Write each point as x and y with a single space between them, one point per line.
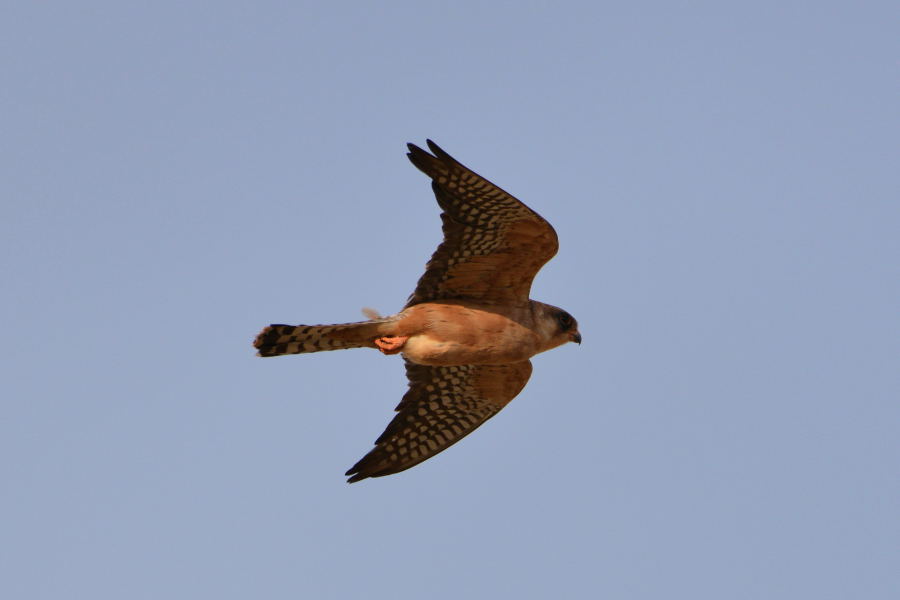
565 320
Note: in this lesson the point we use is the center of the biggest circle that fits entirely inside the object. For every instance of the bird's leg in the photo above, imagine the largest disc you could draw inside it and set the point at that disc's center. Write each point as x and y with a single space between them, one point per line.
391 344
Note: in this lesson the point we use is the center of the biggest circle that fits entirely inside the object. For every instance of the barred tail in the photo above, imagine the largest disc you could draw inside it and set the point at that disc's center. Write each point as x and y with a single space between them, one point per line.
276 340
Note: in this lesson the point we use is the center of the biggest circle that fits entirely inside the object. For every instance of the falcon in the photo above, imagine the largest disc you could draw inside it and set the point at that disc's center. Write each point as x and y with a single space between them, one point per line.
469 328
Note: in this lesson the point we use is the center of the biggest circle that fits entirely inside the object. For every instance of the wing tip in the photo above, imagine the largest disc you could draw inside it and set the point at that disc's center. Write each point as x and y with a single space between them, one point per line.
354 477
422 160
434 163
428 142
360 471
437 150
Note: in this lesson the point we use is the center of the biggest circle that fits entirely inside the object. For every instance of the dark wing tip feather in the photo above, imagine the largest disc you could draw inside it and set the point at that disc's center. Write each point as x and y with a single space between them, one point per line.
431 163
438 152
364 469
355 476
442 155
422 160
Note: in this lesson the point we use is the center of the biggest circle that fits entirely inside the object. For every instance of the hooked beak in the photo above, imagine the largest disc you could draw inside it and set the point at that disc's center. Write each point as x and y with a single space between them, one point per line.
575 337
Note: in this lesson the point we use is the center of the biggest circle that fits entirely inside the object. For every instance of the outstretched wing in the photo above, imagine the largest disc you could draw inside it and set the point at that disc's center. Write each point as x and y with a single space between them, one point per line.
493 244
442 405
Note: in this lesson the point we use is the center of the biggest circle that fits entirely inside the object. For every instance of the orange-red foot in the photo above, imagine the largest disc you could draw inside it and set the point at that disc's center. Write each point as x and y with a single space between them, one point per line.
391 344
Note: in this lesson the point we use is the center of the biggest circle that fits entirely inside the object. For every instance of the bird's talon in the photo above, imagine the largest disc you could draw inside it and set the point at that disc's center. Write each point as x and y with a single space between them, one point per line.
391 344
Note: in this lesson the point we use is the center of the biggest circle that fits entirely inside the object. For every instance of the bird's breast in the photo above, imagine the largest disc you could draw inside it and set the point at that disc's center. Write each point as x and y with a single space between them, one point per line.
460 334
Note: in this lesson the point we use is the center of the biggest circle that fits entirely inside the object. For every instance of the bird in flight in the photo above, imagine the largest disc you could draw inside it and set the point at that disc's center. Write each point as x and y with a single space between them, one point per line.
467 331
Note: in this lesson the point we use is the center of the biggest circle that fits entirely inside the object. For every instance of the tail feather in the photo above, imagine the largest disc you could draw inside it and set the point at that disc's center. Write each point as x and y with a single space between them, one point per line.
276 340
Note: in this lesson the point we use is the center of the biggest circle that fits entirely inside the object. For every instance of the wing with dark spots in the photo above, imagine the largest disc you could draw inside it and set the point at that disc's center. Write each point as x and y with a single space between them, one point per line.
442 405
493 244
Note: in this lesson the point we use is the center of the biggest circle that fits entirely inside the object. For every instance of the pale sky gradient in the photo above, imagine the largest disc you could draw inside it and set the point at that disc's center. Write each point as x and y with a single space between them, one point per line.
723 177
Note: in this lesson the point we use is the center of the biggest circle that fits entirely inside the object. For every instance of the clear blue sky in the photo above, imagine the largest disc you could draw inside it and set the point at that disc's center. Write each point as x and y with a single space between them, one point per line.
723 178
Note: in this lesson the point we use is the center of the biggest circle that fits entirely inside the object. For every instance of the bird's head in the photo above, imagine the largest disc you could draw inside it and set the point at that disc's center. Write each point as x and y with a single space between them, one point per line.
556 326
